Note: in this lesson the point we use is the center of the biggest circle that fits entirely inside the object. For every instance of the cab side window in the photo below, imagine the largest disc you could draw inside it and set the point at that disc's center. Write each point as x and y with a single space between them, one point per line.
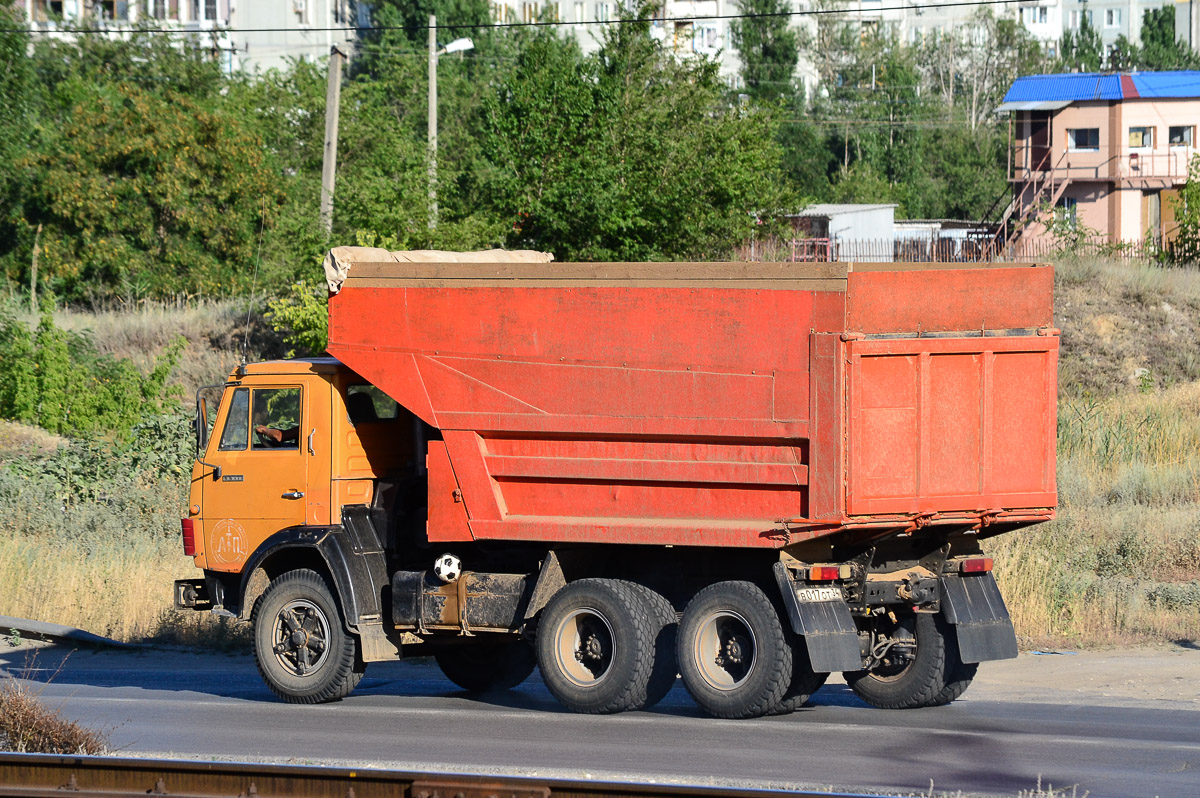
366 403
275 416
237 428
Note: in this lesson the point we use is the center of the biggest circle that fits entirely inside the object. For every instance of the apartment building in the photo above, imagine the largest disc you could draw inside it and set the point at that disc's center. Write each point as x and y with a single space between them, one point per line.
266 33
1104 151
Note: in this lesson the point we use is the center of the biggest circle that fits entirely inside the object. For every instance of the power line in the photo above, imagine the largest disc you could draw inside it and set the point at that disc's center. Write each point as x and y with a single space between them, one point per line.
359 29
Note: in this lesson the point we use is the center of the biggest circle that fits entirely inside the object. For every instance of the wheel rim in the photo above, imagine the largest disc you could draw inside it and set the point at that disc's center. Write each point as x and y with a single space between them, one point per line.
583 647
725 650
301 637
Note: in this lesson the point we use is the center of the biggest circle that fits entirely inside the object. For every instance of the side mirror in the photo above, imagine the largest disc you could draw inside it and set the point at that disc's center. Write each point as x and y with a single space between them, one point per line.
201 424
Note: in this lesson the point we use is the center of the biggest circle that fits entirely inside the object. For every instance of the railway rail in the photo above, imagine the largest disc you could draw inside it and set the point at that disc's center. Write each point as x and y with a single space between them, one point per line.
48 776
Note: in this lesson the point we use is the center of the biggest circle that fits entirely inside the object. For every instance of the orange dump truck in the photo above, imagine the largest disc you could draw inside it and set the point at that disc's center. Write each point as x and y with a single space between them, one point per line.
748 475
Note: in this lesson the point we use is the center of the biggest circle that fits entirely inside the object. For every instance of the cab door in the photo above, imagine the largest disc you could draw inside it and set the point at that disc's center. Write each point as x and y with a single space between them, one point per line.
260 448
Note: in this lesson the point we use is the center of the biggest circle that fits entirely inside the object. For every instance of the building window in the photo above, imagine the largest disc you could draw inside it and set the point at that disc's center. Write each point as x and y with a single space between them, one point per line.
1181 135
1067 211
1112 17
684 34
529 12
1083 138
602 12
109 9
1141 137
580 12
207 9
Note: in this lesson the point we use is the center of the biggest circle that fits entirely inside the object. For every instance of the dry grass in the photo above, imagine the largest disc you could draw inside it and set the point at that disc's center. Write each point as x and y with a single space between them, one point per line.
215 331
28 726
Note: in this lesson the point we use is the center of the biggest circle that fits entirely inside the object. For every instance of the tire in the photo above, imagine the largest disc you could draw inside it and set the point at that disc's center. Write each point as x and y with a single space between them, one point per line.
805 681
917 683
301 647
487 664
958 673
595 646
665 669
733 654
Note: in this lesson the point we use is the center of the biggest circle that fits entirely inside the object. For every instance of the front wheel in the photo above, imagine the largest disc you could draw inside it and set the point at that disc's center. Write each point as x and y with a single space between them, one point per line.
301 648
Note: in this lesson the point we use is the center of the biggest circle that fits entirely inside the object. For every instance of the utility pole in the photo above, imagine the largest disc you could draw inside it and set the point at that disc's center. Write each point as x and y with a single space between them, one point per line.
33 278
433 115
333 96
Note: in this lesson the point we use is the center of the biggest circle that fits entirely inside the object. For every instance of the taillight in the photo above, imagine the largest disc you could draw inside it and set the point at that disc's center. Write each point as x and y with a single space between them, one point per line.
828 573
976 565
189 536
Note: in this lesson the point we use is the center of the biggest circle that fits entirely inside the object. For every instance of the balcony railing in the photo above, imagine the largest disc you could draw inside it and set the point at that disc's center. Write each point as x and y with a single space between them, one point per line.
1029 161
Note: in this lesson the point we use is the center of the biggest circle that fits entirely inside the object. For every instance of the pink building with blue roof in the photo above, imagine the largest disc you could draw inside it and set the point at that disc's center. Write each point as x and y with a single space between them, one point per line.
1105 151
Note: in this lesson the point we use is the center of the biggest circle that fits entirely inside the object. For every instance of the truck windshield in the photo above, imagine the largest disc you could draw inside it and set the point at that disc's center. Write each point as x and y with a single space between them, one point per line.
237 428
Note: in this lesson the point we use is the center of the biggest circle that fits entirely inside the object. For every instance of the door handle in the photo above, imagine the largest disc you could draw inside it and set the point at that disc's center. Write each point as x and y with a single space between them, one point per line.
294 494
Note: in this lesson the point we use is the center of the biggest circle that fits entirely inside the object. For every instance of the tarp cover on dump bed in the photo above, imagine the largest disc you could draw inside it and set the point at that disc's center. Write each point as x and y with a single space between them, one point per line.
340 260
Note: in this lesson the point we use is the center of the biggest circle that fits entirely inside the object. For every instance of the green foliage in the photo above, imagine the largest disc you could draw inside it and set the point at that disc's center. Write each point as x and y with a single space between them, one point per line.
1081 51
152 173
768 47
910 124
646 159
1186 247
1160 49
56 380
303 316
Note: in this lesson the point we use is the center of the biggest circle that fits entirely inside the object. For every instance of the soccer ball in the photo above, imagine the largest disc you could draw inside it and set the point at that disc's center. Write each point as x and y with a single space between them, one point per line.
447 568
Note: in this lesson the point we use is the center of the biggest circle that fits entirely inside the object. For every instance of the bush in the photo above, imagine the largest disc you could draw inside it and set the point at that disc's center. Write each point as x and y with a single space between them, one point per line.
57 380
27 726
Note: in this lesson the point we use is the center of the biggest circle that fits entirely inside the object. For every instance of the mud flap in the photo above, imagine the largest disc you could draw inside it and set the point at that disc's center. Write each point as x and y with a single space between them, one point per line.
826 626
974 605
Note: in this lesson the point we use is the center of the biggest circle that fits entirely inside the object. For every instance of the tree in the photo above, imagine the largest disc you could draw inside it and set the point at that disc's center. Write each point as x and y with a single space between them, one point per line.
1186 247
1082 51
768 47
144 195
1160 49
646 159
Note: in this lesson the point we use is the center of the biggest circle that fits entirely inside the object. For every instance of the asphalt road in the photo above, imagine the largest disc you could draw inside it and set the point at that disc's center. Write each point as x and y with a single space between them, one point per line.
1006 735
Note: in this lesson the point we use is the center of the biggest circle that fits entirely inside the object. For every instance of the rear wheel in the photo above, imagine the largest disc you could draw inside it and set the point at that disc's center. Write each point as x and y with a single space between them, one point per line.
733 655
487 664
958 673
805 681
664 626
595 646
912 672
301 648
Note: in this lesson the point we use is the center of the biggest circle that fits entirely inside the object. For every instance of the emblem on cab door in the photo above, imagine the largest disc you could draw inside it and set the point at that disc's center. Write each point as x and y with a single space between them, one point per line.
229 541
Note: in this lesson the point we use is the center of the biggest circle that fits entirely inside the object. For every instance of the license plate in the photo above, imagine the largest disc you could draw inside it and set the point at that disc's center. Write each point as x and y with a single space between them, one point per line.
807 594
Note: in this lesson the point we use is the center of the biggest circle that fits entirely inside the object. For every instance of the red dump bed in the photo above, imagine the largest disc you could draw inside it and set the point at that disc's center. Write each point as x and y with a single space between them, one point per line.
725 404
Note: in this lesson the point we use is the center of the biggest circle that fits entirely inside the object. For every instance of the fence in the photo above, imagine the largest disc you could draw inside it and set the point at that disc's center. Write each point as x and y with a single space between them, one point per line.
947 249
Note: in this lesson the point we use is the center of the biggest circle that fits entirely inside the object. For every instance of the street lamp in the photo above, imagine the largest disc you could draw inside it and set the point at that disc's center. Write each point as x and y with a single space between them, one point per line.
456 46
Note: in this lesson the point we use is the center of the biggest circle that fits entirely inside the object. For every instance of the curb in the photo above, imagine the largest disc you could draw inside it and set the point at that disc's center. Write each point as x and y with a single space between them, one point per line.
58 631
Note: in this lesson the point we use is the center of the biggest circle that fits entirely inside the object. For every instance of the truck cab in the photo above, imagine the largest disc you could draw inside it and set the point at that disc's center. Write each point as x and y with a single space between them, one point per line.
292 443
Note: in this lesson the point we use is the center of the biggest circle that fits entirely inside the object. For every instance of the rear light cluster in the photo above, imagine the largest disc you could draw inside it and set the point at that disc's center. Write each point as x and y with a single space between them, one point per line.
975 565
189 536
828 573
